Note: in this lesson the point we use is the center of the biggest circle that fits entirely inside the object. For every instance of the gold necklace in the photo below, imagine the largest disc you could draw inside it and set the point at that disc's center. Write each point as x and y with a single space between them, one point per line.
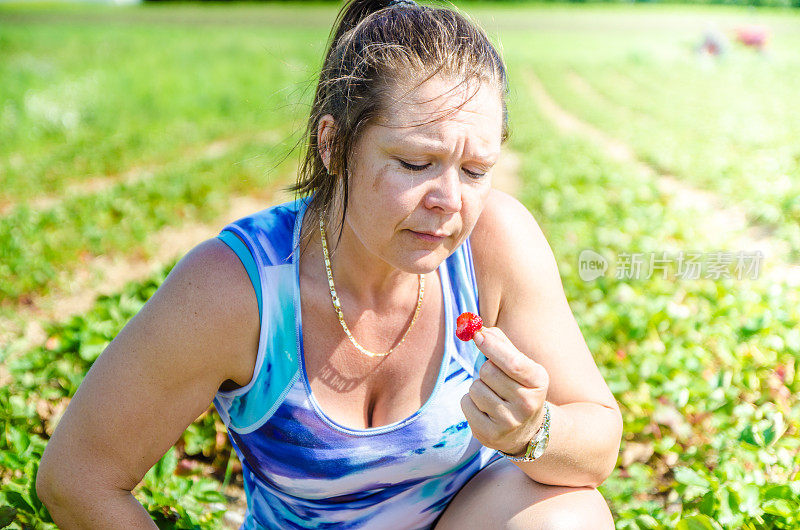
338 306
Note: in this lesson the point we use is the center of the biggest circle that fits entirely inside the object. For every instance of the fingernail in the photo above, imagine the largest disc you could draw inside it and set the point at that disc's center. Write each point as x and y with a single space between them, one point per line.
478 338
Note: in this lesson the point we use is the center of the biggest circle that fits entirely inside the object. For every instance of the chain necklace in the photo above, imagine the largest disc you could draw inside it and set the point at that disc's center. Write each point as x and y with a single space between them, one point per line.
338 306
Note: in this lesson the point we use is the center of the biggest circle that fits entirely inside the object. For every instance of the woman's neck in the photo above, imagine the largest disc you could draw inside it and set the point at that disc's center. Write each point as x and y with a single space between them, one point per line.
362 275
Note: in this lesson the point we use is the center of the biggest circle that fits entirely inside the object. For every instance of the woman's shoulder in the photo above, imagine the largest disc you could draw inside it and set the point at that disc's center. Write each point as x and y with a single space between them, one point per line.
212 282
506 214
508 246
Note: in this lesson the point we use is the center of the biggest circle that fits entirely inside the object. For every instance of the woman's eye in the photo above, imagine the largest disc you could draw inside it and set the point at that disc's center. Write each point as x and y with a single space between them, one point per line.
474 175
412 167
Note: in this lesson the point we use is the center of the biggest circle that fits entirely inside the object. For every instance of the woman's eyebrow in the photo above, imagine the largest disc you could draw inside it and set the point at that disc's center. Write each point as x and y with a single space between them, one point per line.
437 147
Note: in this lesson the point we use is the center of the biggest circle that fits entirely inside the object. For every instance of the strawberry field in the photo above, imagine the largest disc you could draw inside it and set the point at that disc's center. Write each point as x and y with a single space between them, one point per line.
118 124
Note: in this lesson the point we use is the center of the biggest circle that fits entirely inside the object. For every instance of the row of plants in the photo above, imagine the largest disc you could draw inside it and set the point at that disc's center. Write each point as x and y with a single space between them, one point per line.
704 370
163 150
41 247
79 105
738 143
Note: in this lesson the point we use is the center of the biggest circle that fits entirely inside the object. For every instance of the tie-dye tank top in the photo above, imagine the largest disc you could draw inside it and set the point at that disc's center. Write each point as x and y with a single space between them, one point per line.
302 469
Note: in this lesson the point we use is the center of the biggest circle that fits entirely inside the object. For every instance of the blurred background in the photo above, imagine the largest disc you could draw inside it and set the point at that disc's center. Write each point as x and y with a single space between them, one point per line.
642 133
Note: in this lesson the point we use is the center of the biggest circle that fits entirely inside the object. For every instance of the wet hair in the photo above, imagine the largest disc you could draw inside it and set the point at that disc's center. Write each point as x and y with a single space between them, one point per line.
378 49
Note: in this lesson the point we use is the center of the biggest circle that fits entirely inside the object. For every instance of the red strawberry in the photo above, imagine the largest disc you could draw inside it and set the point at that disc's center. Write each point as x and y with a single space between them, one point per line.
467 325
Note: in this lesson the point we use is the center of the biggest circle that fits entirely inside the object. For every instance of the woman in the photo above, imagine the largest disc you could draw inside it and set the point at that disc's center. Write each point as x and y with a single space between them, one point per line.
323 329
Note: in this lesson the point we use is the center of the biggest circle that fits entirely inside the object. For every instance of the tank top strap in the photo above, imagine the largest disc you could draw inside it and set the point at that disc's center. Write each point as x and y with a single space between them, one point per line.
267 237
464 289
244 255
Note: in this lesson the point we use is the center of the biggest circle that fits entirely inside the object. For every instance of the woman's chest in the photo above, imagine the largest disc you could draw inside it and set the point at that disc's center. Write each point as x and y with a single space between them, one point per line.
299 453
361 392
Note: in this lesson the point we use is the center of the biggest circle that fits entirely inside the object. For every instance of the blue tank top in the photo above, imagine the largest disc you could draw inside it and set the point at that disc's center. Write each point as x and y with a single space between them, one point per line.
302 469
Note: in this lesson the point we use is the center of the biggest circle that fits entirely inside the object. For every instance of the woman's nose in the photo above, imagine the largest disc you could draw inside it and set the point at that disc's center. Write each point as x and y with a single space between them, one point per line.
445 192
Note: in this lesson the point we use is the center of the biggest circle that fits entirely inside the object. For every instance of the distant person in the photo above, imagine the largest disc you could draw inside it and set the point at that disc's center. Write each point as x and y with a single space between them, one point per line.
753 36
714 42
323 329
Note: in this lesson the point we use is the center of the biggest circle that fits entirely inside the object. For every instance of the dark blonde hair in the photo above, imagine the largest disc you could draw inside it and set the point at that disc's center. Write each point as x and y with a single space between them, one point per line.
375 49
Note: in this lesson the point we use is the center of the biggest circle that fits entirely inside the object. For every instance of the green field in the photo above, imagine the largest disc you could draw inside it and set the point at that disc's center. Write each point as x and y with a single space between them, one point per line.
117 123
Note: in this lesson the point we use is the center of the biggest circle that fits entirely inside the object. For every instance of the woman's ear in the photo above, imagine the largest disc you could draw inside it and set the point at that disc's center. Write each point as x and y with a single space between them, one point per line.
325 129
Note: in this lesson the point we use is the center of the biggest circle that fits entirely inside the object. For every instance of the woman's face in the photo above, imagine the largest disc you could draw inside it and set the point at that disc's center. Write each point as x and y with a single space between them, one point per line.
416 191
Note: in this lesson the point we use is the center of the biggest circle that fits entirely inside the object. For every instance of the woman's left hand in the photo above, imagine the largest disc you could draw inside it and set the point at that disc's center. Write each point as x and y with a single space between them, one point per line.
504 406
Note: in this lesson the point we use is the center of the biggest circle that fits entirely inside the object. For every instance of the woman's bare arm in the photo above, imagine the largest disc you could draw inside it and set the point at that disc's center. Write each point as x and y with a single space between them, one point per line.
153 380
513 258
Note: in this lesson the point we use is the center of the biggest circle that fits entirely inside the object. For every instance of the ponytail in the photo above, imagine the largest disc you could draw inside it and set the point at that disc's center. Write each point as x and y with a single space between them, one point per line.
353 12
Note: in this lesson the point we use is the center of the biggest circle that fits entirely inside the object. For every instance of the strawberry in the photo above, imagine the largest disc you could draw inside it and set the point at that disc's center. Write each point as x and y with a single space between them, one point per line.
467 325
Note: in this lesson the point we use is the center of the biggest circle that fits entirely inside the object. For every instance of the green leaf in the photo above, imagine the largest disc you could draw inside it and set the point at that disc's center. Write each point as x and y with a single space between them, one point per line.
20 408
749 435
727 505
11 461
697 522
708 504
92 347
181 486
31 471
646 522
780 507
690 477
15 499
166 465
749 500
211 496
775 429
7 515
794 487
779 491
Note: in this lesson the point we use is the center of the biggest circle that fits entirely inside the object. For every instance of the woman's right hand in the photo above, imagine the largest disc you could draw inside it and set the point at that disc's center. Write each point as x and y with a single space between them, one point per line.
154 379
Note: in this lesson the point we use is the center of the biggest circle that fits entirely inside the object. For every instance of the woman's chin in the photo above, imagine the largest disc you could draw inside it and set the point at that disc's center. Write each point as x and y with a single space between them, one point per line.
424 263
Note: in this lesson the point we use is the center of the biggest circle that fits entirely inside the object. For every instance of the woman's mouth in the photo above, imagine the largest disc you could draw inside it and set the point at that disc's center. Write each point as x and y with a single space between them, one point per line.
428 237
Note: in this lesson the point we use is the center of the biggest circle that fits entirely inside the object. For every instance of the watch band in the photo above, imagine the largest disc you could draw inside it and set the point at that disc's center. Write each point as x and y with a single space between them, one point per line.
539 442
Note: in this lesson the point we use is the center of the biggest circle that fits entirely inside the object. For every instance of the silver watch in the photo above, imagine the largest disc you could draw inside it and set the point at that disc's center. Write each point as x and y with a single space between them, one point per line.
536 446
